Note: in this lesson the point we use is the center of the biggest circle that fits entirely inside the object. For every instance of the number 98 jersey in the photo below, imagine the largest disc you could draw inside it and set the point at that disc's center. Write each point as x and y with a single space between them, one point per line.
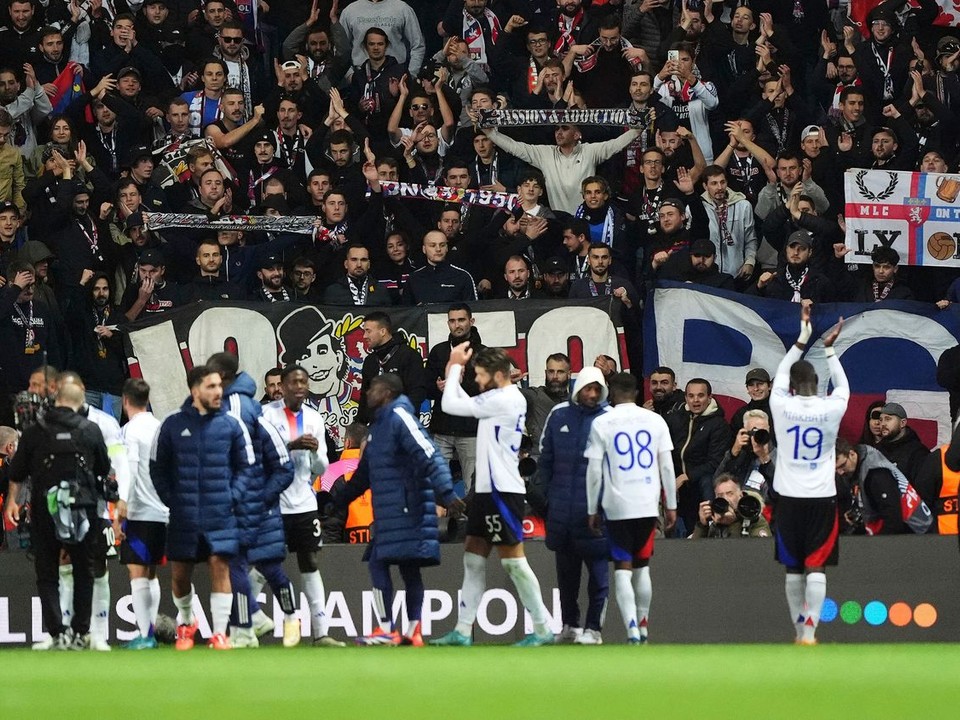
628 440
806 428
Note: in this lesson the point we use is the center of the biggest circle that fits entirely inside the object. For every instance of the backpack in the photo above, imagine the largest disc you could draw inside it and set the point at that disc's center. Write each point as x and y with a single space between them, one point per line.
71 487
65 461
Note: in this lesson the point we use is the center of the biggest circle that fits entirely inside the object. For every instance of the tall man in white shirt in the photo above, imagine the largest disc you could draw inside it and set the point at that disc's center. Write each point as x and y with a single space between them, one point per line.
806 513
630 455
495 512
143 516
303 428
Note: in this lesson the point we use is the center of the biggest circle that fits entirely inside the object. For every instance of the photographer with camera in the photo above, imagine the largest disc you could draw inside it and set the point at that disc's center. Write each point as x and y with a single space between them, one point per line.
732 513
752 458
65 458
882 500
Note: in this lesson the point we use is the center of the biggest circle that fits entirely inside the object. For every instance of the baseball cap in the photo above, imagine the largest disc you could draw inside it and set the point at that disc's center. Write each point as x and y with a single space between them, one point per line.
703 247
554 265
758 374
7 205
269 261
810 131
894 409
152 257
129 70
675 202
800 237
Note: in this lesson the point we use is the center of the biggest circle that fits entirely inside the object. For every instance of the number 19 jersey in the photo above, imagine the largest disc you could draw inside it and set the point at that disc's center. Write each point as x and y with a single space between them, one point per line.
807 428
628 441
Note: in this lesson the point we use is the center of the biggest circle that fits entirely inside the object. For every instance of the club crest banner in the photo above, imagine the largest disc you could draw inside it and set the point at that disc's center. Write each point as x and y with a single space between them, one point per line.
917 214
327 341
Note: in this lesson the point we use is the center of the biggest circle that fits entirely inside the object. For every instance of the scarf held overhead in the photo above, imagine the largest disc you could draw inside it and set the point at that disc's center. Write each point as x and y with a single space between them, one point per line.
616 117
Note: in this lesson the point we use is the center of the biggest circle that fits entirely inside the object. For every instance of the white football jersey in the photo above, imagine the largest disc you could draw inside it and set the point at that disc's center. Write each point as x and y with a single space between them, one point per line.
502 413
143 502
806 428
630 454
113 439
300 496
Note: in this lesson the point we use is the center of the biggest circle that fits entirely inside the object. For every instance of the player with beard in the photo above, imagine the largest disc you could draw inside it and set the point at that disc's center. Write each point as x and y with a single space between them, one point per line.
541 400
496 509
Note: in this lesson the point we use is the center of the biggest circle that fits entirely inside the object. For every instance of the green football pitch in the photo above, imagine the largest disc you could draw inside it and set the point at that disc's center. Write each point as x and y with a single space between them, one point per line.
487 682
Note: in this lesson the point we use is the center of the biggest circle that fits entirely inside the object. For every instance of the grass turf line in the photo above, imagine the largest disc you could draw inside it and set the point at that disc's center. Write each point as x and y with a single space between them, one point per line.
486 682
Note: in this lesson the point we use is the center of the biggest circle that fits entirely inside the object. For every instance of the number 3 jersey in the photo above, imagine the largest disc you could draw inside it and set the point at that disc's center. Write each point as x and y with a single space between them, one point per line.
807 428
501 413
630 454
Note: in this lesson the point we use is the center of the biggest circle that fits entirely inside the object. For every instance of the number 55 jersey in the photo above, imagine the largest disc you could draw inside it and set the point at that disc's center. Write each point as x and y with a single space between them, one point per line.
630 454
806 428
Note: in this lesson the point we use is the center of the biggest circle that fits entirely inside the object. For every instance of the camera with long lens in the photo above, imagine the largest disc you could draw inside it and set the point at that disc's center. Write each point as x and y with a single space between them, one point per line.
761 435
749 507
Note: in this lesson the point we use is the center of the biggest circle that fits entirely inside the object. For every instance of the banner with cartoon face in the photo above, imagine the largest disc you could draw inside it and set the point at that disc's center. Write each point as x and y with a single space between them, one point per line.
327 342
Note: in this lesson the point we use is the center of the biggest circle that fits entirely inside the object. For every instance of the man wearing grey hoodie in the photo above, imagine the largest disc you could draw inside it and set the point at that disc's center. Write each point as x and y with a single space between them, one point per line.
731 226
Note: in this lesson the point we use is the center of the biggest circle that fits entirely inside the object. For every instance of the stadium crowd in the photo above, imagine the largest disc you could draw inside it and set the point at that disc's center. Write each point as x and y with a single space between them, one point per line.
128 128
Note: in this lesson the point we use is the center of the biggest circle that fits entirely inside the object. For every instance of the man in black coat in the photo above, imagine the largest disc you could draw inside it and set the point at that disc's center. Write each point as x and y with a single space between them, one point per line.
357 287
31 461
454 434
899 443
701 436
28 338
389 353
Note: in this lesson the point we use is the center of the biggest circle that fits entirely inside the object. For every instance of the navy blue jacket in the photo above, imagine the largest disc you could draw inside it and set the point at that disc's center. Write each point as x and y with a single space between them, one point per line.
258 515
405 471
563 475
197 468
